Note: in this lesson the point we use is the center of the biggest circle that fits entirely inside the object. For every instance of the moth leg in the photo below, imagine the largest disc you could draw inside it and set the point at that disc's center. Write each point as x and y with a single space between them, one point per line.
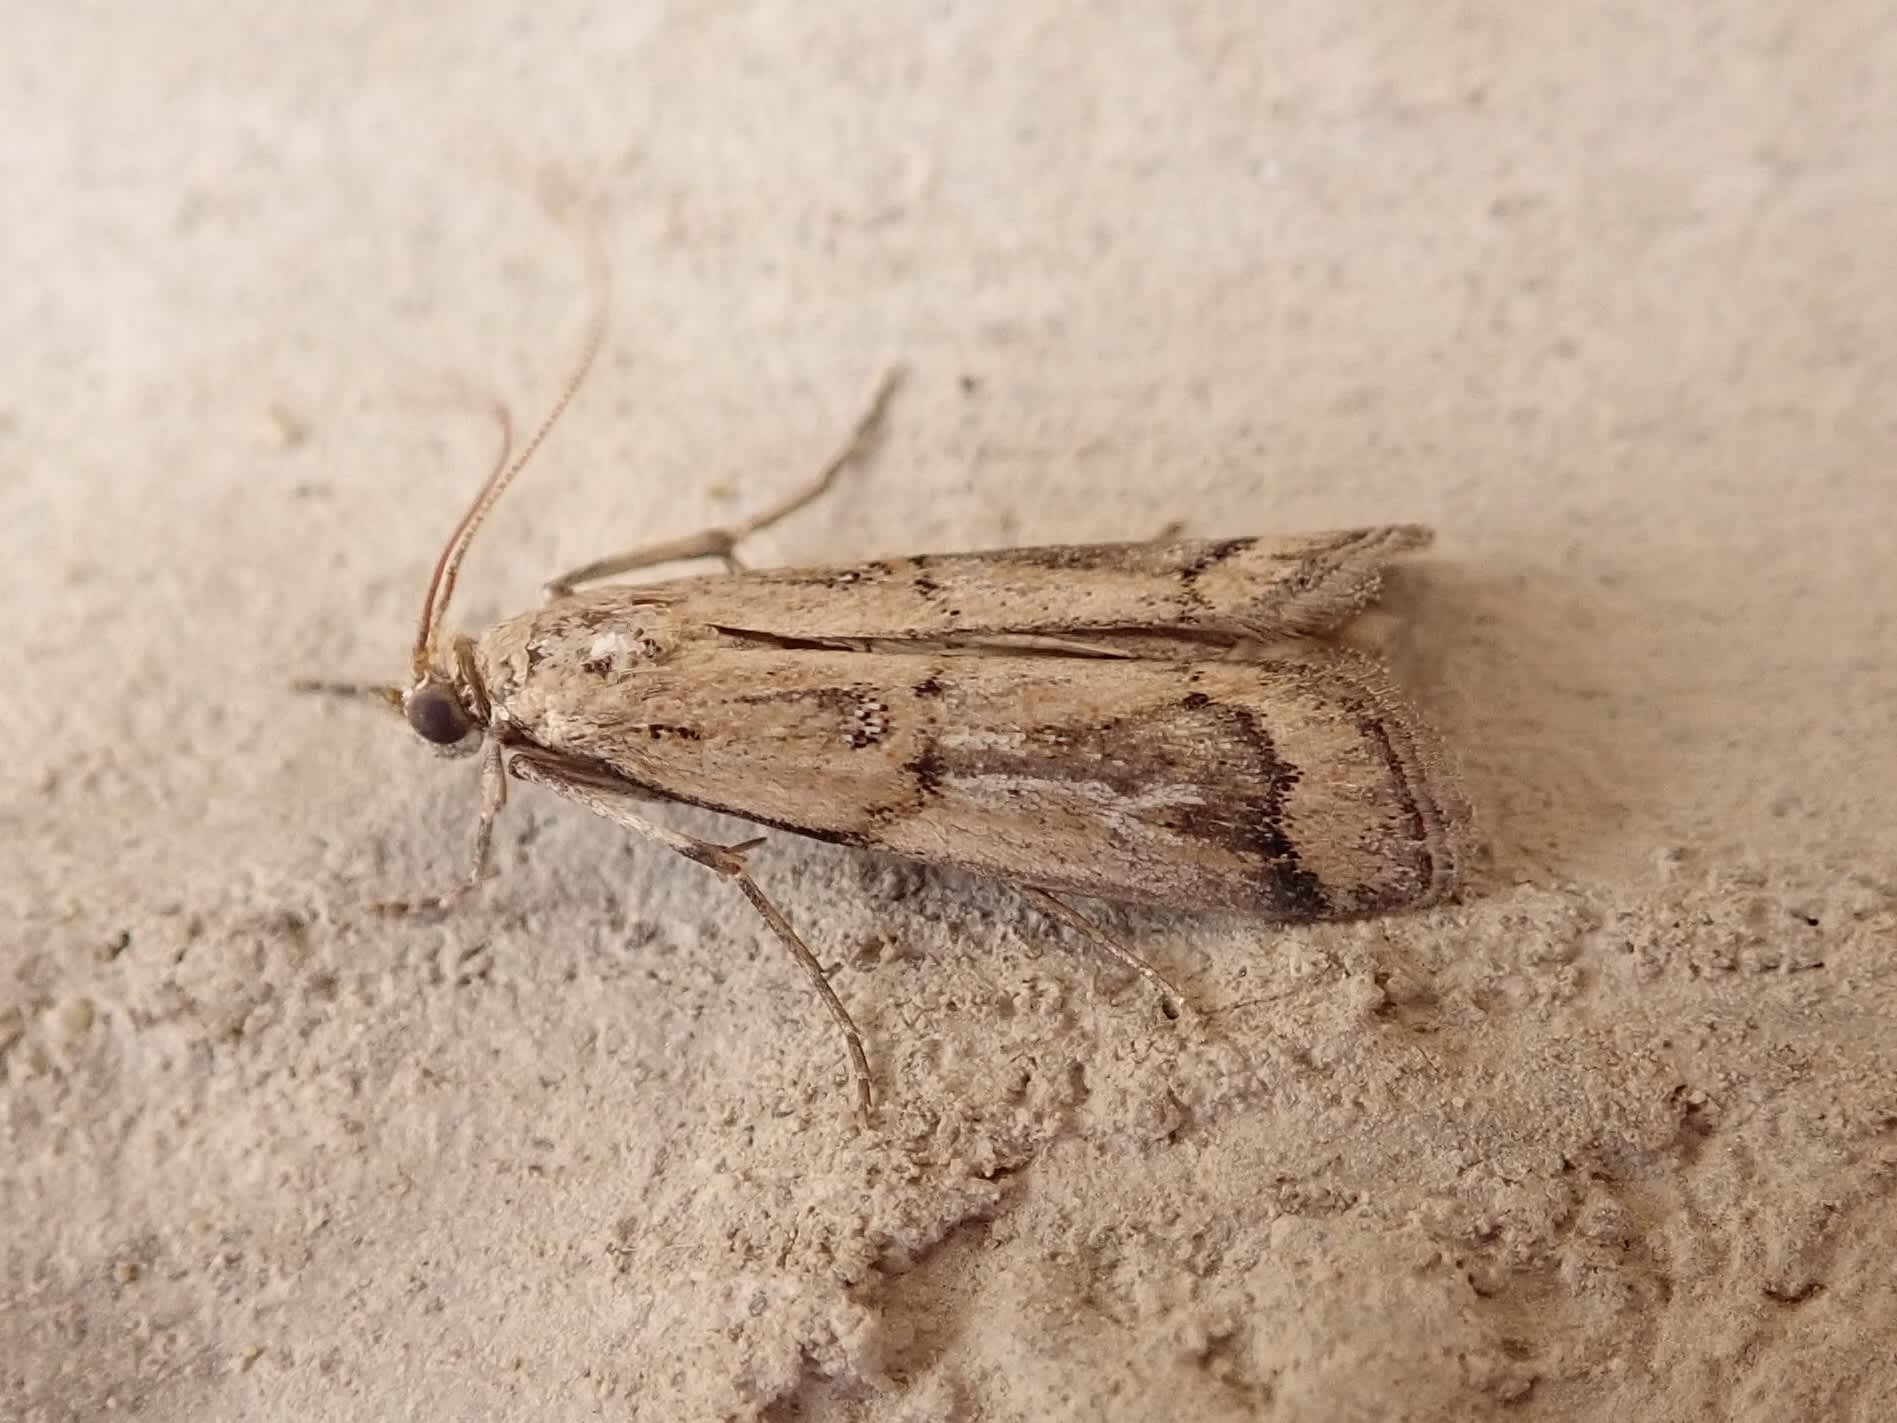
722 543
493 797
1074 919
612 802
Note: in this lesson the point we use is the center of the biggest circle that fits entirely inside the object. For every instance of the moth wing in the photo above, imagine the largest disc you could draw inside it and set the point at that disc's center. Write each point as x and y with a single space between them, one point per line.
1262 588
1299 788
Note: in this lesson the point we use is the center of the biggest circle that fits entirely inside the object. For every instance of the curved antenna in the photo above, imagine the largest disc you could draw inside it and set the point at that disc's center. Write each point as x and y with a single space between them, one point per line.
448 566
436 596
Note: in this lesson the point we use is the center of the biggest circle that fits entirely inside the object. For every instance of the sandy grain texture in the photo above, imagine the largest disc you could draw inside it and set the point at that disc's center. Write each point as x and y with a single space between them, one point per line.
1604 293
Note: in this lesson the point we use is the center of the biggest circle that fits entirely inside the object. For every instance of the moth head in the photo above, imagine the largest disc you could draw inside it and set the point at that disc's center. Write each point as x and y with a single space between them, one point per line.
437 712
448 711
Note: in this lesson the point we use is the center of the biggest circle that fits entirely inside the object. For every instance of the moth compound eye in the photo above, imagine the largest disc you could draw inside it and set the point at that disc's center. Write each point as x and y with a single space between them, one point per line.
437 716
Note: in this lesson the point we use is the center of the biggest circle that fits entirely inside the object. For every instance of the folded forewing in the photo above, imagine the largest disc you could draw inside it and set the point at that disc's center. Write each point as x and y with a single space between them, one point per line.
1253 587
1300 787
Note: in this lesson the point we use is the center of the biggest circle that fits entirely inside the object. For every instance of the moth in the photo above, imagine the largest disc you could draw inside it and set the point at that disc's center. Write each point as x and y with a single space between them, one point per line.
1176 723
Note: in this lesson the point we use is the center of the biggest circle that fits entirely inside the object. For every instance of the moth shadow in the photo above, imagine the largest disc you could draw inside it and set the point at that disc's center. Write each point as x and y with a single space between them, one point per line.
1516 669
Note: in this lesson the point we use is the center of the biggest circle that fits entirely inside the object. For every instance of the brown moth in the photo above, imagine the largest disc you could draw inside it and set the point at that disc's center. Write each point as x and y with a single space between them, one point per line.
1175 722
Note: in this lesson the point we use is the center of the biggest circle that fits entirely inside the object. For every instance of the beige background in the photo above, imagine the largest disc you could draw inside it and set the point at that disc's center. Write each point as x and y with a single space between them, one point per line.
1604 292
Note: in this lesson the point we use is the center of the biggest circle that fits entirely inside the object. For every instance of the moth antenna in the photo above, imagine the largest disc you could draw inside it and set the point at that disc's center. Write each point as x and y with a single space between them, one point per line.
448 566
441 581
373 692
